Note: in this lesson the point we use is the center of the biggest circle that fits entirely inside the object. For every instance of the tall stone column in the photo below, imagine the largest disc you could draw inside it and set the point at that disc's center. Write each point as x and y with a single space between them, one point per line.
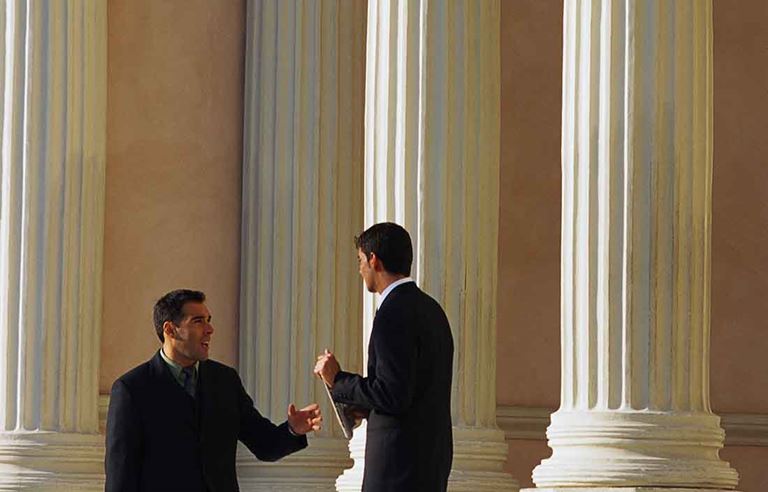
53 87
302 206
637 180
432 165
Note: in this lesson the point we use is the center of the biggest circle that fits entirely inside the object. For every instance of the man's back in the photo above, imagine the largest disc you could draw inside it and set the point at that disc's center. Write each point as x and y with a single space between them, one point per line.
409 444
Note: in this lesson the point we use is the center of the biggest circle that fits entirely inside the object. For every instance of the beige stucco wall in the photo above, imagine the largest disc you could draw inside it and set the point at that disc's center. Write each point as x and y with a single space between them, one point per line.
174 148
529 217
740 208
529 240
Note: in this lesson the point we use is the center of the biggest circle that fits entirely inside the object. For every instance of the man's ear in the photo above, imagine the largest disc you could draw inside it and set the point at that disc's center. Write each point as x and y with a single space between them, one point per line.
168 331
375 263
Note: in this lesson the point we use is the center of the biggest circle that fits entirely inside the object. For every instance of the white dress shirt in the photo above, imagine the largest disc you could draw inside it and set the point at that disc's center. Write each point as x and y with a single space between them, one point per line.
391 287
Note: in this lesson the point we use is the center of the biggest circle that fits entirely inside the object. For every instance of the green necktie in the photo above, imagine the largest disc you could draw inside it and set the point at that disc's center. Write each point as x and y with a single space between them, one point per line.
189 382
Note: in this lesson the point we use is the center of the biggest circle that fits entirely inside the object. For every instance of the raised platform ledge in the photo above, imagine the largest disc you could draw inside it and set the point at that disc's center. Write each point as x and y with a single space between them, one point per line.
624 489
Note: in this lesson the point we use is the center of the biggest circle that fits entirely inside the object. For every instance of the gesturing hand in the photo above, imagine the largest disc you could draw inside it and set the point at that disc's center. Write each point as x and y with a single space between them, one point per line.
306 420
327 367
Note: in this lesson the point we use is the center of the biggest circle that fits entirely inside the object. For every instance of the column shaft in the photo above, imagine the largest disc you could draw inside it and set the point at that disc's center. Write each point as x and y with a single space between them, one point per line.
637 177
432 164
302 206
53 87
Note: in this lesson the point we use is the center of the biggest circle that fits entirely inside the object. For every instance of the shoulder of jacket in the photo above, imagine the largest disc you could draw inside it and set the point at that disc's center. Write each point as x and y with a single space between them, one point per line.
219 370
137 373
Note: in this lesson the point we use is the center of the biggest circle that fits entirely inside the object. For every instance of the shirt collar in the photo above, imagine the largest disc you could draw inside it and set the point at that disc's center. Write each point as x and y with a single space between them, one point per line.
174 366
391 287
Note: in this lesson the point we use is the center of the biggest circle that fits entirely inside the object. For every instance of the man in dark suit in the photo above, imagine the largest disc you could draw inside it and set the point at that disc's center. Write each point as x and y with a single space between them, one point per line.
407 392
174 421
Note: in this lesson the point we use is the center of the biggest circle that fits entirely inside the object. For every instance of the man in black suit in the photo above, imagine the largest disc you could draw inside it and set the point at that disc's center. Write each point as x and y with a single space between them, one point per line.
407 392
174 421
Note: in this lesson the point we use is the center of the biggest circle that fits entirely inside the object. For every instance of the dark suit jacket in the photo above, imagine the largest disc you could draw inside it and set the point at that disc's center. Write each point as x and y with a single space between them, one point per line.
161 439
409 446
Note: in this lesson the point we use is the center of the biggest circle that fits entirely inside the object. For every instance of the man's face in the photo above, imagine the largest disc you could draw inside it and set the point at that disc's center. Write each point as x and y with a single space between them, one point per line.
366 270
191 338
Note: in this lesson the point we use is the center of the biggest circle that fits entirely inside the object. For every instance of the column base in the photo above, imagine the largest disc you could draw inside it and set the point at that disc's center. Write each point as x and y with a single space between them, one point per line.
633 448
623 489
479 455
51 461
352 478
312 469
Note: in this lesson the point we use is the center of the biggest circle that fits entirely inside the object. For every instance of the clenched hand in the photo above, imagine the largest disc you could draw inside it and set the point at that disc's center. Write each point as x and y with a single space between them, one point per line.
327 367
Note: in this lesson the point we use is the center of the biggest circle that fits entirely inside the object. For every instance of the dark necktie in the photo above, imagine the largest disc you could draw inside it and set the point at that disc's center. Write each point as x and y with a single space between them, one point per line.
189 382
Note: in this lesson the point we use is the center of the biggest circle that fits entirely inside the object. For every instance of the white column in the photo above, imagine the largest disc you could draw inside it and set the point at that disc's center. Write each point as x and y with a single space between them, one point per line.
637 179
302 206
432 165
53 87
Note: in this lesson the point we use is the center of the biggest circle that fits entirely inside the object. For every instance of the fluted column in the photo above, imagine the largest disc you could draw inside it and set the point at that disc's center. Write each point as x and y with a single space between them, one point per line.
302 206
637 179
432 165
53 87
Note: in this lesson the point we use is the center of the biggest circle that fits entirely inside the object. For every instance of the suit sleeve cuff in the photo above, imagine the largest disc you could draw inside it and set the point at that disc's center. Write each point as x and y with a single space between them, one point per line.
340 388
290 430
301 439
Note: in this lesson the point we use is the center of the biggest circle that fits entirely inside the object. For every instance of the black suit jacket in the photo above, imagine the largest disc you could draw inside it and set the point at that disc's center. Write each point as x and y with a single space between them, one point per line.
409 446
161 439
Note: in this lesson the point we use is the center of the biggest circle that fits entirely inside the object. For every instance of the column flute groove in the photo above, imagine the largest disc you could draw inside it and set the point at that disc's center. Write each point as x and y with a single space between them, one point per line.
431 165
53 87
302 206
637 177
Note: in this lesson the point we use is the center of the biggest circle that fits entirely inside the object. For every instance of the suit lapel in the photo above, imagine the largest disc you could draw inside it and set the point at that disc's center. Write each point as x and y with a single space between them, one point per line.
205 395
391 300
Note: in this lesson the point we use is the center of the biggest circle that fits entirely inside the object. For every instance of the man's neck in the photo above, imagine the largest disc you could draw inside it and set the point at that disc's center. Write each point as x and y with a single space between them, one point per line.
388 279
176 357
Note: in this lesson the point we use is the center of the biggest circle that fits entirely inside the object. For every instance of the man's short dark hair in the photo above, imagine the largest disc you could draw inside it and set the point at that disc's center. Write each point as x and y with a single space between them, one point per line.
170 307
392 245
